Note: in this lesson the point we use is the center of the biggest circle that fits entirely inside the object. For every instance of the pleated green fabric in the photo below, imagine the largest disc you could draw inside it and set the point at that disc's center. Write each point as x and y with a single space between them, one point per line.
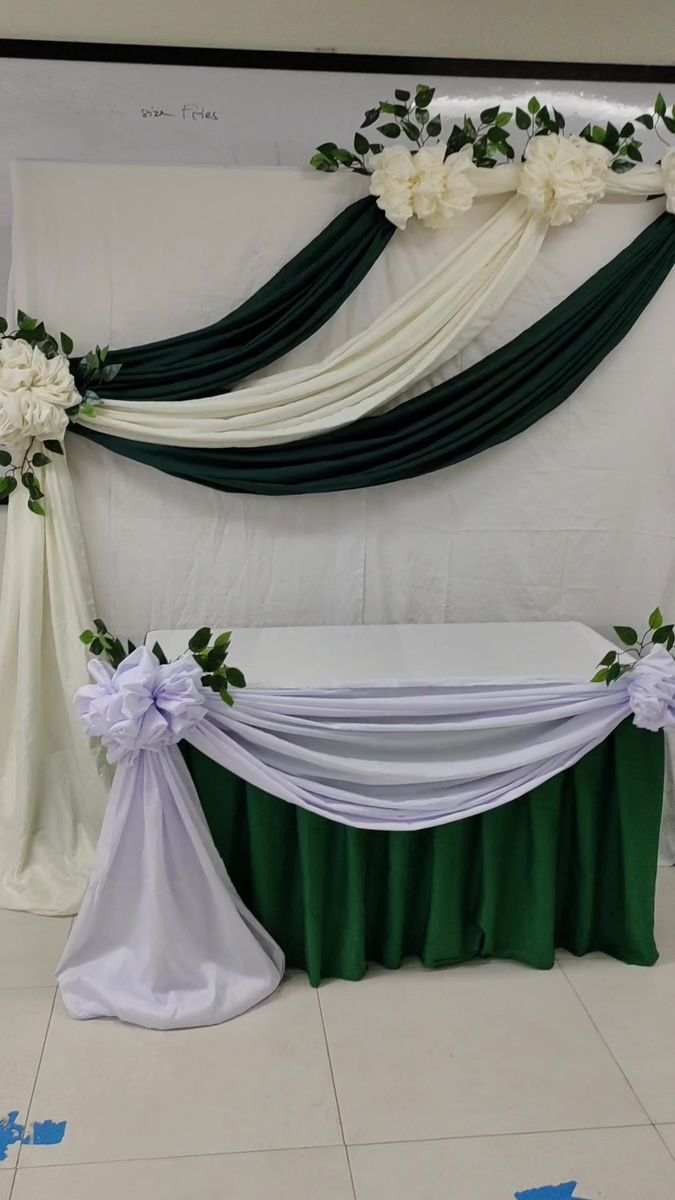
572 864
481 407
298 300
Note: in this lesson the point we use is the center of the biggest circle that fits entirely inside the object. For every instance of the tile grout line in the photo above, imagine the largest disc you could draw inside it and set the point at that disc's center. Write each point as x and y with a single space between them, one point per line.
606 1045
335 1093
11 1186
96 1162
656 1127
453 1137
37 1072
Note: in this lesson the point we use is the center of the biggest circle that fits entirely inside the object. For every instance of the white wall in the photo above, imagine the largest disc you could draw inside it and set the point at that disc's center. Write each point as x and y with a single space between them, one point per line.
574 30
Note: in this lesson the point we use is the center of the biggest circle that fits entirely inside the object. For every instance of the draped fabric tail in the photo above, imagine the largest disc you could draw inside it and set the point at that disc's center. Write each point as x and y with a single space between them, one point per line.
53 783
162 939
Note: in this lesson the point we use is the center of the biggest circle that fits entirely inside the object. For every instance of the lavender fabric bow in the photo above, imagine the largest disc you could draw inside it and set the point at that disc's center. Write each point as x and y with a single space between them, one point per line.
143 705
651 690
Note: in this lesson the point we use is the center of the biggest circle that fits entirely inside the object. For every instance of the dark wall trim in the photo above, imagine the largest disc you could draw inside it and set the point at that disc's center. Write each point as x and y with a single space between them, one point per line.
371 64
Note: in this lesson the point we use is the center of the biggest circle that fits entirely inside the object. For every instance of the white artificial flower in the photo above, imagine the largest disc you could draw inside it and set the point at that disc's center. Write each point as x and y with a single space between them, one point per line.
562 177
424 184
35 392
443 187
391 183
668 173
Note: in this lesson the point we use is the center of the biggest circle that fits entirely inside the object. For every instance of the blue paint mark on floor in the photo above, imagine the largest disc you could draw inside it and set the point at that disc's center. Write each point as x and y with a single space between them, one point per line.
559 1191
43 1133
46 1133
10 1133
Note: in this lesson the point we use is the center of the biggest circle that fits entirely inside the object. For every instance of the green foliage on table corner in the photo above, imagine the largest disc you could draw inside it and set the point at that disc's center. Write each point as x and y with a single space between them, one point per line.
408 119
658 633
209 654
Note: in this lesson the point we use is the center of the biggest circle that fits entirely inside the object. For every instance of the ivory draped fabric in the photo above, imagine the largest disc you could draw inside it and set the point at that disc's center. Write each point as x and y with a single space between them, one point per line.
492 401
53 781
440 316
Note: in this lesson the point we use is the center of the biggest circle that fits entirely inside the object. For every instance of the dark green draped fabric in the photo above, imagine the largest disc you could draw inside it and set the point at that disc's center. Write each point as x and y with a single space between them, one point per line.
298 300
572 864
483 406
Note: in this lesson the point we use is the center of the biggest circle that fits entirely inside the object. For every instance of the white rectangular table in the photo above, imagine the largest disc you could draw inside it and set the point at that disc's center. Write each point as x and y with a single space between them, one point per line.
342 655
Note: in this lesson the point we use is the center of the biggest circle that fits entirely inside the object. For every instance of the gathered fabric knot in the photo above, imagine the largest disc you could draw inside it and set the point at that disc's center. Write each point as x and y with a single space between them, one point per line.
651 690
562 177
143 705
426 185
35 394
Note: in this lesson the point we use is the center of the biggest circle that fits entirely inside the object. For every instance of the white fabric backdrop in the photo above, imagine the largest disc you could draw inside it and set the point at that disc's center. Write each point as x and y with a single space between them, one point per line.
572 520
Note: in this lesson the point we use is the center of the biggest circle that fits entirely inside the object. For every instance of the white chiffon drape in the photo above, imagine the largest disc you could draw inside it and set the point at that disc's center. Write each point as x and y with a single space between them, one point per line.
162 939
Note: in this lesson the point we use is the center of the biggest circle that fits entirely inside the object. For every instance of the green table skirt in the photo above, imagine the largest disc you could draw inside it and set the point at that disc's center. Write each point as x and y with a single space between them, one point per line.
571 864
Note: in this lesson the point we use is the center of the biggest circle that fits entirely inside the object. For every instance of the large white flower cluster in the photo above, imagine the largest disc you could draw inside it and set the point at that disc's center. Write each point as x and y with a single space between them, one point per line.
563 176
424 184
35 392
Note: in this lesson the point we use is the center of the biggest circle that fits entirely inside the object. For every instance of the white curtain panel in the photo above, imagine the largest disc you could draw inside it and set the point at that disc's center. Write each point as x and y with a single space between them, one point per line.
571 520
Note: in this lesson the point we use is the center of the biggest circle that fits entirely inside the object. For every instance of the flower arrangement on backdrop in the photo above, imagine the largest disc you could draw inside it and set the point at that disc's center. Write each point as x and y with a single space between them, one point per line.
42 390
427 173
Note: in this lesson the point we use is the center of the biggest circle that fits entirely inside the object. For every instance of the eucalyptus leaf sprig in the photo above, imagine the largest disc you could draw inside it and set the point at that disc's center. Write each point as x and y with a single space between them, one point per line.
409 119
611 667
209 655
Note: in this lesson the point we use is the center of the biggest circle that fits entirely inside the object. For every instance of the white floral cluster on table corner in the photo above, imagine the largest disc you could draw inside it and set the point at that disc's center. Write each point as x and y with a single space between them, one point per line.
648 673
425 184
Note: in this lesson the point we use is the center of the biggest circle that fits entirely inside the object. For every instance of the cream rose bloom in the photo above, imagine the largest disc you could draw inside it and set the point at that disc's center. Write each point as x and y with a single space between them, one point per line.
424 185
35 392
562 177
668 173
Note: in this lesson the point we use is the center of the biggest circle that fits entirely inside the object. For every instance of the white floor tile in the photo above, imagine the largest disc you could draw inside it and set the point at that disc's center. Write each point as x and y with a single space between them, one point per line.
259 1082
486 1048
6 1178
277 1175
24 1016
607 1164
31 948
633 1009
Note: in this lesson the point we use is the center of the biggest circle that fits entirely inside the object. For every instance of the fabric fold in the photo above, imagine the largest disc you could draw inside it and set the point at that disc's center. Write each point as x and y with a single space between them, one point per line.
440 316
162 939
409 757
487 404
53 781
282 314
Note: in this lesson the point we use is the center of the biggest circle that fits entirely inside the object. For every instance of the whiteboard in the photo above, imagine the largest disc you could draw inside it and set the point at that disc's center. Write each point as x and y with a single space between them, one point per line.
151 113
